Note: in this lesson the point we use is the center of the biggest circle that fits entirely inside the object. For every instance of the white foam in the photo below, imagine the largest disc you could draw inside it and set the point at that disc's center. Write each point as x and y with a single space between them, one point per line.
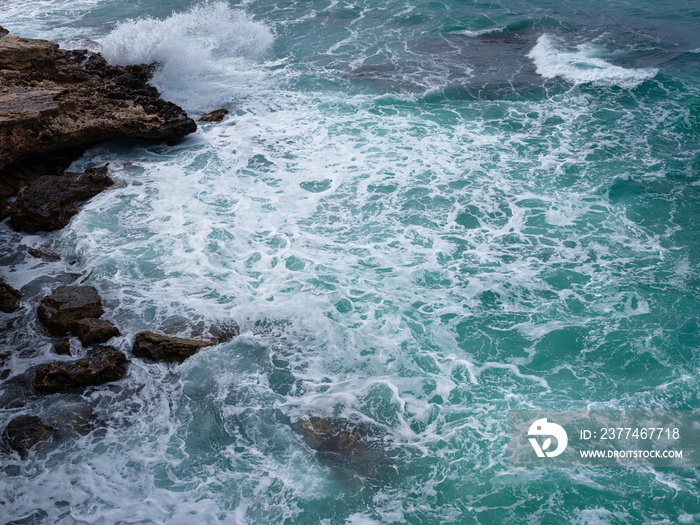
583 65
480 32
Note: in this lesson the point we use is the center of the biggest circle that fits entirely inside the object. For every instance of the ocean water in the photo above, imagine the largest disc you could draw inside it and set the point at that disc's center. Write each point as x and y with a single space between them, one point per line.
421 214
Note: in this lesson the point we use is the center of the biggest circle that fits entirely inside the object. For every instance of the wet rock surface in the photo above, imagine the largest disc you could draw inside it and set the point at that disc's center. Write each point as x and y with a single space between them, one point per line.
44 255
52 99
100 367
9 298
66 305
49 203
156 347
93 331
25 432
215 116
62 347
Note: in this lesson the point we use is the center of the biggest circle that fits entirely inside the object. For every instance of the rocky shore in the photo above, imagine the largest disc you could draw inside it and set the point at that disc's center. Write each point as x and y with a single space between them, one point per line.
54 104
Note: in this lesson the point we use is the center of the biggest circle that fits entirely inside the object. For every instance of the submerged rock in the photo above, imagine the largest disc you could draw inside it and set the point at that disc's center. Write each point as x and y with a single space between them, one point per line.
49 203
156 347
215 116
26 432
337 435
52 99
66 305
9 298
95 369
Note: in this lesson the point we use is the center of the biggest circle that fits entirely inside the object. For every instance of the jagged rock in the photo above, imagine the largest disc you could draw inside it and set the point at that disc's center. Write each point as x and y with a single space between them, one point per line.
336 435
49 203
156 347
215 116
223 332
45 255
62 347
9 298
52 100
95 369
25 432
68 304
92 331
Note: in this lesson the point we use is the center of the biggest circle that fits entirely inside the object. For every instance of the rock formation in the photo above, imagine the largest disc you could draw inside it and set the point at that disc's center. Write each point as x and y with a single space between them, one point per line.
49 202
215 116
9 298
96 369
55 103
155 347
76 309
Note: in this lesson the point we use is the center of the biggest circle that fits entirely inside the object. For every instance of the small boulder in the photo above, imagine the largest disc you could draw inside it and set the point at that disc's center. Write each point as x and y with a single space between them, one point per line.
25 432
95 369
68 304
62 347
9 298
93 331
156 347
215 116
49 203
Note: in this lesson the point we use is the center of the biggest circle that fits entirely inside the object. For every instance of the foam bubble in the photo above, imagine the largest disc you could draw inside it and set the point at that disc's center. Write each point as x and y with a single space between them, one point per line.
583 66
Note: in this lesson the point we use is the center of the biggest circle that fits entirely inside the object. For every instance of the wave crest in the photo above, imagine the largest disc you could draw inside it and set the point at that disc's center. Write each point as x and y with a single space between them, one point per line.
582 66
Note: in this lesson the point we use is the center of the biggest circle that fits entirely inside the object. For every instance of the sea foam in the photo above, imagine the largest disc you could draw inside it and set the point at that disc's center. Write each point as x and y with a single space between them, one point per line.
583 65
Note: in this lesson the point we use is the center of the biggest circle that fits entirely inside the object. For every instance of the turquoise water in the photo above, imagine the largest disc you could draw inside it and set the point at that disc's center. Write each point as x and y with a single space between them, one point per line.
421 215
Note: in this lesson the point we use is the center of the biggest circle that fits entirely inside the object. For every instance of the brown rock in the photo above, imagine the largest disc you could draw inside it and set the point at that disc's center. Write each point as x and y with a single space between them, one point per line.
334 434
92 331
53 100
49 203
95 369
62 347
25 432
45 255
215 116
68 304
155 347
9 298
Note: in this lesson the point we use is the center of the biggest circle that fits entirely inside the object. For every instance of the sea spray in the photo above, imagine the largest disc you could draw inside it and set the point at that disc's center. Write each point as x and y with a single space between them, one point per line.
194 49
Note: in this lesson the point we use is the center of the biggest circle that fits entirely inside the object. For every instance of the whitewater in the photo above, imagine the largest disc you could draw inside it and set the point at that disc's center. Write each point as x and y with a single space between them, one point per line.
420 215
